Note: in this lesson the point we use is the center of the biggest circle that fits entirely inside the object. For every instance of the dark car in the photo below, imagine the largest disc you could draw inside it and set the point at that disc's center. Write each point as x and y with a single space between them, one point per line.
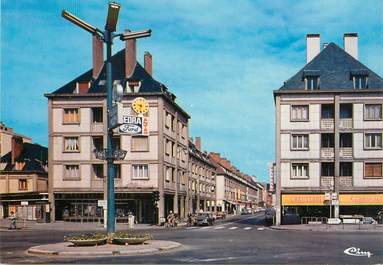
204 219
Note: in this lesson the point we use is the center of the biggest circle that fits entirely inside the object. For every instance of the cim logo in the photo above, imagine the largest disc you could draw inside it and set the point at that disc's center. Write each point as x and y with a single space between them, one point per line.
353 251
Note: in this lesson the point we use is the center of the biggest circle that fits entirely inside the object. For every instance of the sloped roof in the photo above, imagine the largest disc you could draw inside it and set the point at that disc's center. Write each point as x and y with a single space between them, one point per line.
35 157
335 68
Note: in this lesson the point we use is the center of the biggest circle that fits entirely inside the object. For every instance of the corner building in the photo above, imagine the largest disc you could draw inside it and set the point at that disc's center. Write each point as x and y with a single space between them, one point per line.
329 135
156 161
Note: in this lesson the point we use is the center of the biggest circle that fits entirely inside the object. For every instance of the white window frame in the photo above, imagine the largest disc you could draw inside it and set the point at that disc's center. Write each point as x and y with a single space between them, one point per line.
300 171
367 111
71 144
74 174
297 112
300 139
368 140
140 172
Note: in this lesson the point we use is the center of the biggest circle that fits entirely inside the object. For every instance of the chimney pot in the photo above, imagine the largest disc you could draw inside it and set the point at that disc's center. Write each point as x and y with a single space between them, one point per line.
313 46
148 63
98 55
350 41
130 57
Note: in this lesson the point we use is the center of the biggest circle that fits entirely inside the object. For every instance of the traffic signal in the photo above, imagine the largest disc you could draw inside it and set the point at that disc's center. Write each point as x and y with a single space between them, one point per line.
156 196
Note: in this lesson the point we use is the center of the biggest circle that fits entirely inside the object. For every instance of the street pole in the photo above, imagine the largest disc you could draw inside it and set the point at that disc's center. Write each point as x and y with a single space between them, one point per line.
110 166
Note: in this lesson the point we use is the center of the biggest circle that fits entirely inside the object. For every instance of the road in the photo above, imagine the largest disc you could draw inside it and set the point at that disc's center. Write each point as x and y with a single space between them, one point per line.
242 239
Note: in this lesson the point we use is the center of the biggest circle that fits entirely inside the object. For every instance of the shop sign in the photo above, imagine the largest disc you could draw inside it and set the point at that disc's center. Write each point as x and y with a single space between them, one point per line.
361 199
24 203
102 203
302 199
135 125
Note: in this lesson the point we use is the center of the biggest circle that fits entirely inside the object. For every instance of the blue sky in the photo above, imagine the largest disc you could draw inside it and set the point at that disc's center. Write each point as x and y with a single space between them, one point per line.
222 59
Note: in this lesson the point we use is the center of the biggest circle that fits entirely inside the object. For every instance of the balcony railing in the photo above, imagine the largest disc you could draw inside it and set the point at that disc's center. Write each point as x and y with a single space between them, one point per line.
345 123
345 152
327 124
327 152
326 181
345 182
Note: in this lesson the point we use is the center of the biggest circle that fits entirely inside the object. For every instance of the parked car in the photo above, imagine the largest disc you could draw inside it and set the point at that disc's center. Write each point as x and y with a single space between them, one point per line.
246 211
368 220
204 219
221 215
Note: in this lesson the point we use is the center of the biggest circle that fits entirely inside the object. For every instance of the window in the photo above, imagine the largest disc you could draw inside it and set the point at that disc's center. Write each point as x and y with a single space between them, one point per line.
71 172
345 140
140 172
173 175
169 119
373 140
373 170
360 81
345 169
300 113
23 184
327 140
71 144
98 143
116 143
98 170
312 82
373 112
327 169
71 116
300 170
327 111
346 111
168 147
168 174
140 143
97 115
300 142
174 149
117 171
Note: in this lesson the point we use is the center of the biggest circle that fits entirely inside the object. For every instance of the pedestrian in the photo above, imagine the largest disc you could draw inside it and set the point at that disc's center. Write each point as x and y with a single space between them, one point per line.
12 217
171 219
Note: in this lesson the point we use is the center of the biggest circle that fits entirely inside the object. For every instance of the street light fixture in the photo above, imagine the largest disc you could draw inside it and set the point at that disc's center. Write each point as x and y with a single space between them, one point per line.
109 154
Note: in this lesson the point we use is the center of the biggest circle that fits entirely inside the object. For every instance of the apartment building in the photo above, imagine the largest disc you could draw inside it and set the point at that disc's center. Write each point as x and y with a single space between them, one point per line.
329 128
234 190
202 181
157 152
23 177
6 135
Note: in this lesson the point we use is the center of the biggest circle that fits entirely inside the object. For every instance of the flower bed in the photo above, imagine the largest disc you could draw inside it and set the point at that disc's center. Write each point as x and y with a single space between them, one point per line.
130 239
86 239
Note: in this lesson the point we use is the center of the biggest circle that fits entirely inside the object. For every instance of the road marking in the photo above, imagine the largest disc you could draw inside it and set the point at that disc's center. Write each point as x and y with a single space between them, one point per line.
247 228
206 227
192 227
232 228
260 228
218 227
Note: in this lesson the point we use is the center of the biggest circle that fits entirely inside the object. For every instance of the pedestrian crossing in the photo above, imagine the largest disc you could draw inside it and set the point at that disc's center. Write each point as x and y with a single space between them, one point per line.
206 228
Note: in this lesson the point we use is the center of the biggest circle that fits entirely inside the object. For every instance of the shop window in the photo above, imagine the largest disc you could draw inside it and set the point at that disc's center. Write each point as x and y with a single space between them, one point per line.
345 169
327 140
300 142
72 172
23 184
71 116
98 170
97 115
300 113
327 111
345 140
140 143
71 144
140 172
373 141
373 170
373 112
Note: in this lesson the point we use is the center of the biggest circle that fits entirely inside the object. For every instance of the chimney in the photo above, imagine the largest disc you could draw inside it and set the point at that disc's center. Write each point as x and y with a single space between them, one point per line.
98 55
313 46
325 45
130 57
17 148
198 143
148 63
350 41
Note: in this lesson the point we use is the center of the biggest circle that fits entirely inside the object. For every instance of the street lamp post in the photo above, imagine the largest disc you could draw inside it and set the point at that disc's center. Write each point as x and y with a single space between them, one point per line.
107 37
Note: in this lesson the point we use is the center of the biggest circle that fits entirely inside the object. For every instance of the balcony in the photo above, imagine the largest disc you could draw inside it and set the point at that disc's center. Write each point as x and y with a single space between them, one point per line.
327 124
346 152
97 127
326 181
327 152
345 182
345 123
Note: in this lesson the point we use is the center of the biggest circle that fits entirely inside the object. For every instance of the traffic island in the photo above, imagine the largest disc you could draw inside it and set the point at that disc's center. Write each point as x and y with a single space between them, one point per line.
68 250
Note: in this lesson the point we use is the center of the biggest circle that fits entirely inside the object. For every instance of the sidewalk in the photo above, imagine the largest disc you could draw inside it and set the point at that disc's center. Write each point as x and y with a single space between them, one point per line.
329 228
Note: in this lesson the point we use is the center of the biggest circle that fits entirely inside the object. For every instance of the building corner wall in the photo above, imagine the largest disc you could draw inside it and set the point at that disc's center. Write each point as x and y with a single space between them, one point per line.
278 159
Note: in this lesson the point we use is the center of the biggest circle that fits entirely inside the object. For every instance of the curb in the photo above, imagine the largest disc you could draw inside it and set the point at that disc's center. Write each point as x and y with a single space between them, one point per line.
126 252
322 230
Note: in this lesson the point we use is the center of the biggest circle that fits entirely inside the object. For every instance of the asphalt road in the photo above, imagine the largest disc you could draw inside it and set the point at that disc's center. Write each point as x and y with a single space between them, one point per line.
243 239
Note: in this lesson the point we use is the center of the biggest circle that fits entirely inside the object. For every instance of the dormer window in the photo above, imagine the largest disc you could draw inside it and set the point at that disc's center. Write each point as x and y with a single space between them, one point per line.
133 86
82 87
311 79
360 81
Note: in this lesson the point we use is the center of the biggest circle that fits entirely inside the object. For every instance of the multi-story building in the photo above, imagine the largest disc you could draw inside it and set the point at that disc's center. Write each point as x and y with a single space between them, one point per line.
202 182
329 128
157 152
23 178
6 135
234 190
